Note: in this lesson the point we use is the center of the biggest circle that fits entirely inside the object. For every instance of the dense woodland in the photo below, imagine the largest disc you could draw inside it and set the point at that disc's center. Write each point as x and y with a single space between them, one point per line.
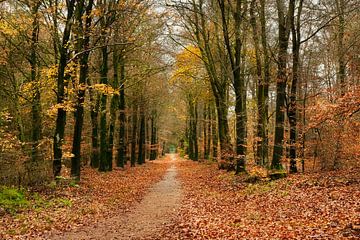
94 93
103 83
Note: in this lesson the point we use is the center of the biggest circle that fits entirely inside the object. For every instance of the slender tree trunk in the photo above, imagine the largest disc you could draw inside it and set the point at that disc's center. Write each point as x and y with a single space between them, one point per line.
208 130
142 137
134 135
105 165
283 35
94 116
223 125
219 84
263 133
191 130
82 45
54 5
195 133
113 107
193 143
148 138
153 136
295 33
121 158
238 80
205 131
36 103
61 114
262 108
214 133
341 74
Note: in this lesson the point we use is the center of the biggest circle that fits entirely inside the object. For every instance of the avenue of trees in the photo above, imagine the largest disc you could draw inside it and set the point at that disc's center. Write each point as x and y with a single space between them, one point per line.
81 83
280 79
106 83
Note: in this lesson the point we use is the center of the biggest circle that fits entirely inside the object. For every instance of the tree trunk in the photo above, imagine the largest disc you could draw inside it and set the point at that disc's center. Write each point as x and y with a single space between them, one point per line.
94 114
153 136
295 33
134 133
205 131
214 134
219 84
262 83
341 74
238 80
193 143
283 35
195 133
148 138
142 137
208 130
121 157
82 45
113 107
36 104
61 113
105 165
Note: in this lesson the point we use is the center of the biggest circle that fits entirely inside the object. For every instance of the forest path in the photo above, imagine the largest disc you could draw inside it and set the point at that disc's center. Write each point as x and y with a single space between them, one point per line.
146 219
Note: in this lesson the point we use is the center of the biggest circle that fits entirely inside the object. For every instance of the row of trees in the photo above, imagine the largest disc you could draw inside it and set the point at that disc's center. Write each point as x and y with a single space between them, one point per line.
77 74
271 73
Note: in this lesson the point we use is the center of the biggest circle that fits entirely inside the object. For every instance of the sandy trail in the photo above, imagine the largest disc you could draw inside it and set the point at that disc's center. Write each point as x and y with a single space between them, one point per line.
146 219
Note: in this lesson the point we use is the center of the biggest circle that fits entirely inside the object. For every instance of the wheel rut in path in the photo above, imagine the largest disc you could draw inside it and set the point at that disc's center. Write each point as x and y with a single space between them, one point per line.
157 209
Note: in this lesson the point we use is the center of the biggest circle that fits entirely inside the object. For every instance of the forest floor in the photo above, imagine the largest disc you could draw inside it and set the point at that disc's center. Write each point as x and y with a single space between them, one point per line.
174 198
52 210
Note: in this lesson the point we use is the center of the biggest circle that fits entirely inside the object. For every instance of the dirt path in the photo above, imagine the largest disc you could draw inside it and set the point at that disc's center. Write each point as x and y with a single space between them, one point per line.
145 220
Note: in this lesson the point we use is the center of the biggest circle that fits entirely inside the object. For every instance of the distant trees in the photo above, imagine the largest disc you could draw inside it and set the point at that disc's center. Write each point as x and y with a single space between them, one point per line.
240 53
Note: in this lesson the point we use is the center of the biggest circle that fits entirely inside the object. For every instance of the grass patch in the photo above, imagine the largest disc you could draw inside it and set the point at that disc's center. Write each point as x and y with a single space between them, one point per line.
12 199
260 188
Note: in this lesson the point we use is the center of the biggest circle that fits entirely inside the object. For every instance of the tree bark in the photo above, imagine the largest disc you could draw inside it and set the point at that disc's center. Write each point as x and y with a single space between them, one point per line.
36 103
105 165
283 36
134 135
238 80
153 151
121 157
219 84
214 134
61 113
142 137
292 110
94 115
263 79
82 45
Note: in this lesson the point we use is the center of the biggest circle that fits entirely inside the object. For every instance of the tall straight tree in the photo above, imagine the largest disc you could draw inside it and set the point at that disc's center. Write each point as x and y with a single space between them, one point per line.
134 134
234 48
153 151
60 93
142 137
82 13
108 9
284 19
121 154
263 79
219 84
36 103
292 108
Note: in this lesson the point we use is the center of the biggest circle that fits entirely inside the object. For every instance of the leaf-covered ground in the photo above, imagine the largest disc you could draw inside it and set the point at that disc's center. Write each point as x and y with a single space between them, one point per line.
215 205
98 196
219 205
